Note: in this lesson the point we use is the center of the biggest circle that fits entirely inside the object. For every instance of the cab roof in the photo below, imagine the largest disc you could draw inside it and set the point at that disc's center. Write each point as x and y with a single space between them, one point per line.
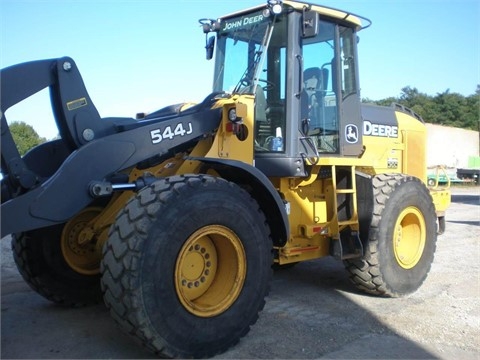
342 15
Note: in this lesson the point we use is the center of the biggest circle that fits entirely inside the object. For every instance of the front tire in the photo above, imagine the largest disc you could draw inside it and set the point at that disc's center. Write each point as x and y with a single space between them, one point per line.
39 259
402 238
187 266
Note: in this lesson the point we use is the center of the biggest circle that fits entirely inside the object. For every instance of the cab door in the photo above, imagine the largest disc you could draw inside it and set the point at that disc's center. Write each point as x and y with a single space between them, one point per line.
330 110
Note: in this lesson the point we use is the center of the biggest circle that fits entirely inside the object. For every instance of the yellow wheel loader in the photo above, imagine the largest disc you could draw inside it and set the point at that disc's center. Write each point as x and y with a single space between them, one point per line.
176 218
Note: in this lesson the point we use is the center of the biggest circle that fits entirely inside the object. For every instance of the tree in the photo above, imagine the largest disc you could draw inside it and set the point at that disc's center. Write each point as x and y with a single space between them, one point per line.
446 108
24 136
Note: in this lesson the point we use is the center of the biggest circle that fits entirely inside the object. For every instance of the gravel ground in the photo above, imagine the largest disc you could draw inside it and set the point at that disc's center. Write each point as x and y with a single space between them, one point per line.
312 311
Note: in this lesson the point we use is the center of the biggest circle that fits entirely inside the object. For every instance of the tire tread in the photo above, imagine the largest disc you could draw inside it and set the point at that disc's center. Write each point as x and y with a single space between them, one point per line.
122 259
366 273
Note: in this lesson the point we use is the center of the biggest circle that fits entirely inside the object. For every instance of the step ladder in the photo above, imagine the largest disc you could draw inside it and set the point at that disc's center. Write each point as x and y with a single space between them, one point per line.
345 240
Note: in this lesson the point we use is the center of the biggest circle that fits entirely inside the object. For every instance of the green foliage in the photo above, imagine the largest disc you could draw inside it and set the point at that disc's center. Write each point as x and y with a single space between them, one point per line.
449 109
24 136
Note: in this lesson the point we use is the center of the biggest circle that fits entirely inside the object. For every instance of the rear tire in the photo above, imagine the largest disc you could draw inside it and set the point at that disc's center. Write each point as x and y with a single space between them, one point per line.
187 266
402 238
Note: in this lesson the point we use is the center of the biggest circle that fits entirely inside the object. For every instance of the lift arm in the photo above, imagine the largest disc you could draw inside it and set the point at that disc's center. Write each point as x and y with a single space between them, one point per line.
118 144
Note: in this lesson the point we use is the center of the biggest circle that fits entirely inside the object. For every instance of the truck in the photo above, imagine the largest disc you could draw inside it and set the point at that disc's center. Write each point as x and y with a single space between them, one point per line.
177 219
471 173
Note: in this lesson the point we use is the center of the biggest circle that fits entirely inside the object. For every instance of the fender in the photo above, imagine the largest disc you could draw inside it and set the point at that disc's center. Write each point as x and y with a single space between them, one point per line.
262 190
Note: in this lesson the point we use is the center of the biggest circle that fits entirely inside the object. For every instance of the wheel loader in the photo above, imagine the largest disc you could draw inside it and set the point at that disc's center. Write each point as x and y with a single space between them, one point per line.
178 218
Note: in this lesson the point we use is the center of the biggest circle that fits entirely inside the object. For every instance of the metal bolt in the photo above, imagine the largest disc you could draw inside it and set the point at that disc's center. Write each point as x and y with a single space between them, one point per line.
88 134
67 66
96 189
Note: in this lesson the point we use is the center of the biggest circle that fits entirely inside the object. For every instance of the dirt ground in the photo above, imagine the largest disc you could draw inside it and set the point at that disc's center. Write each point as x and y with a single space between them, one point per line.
313 312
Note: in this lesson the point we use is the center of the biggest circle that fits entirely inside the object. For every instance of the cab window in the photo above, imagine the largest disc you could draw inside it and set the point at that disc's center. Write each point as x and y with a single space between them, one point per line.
322 94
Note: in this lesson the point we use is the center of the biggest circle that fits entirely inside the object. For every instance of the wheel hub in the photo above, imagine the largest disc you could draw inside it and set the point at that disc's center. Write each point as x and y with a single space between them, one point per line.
80 246
210 271
409 237
199 268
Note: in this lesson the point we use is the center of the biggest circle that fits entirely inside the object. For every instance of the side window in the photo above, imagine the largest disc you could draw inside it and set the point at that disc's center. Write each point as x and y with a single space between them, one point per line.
348 62
270 114
319 98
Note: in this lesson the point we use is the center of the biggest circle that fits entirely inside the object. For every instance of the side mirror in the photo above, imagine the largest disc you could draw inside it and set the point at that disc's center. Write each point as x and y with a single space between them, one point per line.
310 23
210 46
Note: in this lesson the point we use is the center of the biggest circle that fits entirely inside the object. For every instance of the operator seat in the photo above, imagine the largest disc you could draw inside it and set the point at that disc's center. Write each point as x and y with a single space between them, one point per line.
315 84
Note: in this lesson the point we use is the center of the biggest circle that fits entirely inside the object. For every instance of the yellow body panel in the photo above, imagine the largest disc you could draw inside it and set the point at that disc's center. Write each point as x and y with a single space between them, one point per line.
313 214
308 217
403 154
235 140
414 136
441 200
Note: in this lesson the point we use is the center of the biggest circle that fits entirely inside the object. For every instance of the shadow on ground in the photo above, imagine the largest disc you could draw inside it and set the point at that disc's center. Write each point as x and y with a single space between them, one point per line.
466 199
309 314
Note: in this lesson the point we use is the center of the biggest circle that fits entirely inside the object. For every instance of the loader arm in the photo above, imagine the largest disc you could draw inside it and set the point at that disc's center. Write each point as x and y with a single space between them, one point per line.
117 144
14 89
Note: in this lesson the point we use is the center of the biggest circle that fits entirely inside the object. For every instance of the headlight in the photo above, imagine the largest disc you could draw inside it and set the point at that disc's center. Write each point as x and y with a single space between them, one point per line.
275 6
232 115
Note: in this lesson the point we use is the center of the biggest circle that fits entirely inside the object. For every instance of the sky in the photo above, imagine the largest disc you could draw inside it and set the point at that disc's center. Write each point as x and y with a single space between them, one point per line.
141 55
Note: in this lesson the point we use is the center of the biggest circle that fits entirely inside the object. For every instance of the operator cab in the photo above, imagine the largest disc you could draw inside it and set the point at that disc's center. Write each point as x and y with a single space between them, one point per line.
300 62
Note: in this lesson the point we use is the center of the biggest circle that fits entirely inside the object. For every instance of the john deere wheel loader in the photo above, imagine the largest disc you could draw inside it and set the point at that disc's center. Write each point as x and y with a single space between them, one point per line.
177 217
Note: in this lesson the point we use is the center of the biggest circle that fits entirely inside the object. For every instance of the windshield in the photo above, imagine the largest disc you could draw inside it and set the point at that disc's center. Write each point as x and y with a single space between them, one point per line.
241 45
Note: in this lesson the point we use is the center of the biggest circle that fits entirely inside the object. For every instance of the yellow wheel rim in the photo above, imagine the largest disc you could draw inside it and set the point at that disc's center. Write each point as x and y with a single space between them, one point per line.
210 271
409 237
81 246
